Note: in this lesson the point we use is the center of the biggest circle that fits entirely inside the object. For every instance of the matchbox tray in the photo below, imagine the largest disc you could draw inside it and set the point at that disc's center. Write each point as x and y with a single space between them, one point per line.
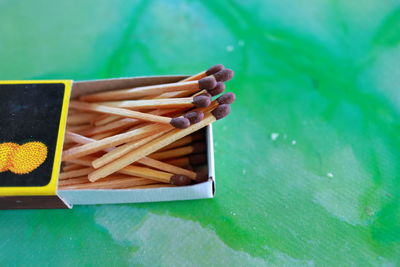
33 114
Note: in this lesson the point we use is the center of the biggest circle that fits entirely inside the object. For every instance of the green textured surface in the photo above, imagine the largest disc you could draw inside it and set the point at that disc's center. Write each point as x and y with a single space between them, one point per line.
308 166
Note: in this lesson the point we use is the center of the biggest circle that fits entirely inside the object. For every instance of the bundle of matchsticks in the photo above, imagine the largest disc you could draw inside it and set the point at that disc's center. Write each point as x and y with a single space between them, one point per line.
143 137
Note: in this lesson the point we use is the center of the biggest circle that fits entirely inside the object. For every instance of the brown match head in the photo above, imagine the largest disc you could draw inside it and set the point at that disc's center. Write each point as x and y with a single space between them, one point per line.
194 116
180 180
221 111
180 122
199 147
207 83
201 101
217 89
224 75
214 69
227 98
197 159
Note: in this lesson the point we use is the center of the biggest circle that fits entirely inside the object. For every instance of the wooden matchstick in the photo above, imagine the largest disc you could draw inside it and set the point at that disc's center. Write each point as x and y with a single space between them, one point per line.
104 119
194 148
75 173
187 102
203 74
195 159
206 83
158 143
167 167
184 141
176 122
79 119
210 71
176 178
124 149
123 123
110 184
115 140
71 167
160 176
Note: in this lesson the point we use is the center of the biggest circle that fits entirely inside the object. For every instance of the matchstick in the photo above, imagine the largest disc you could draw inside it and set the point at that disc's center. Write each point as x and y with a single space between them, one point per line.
75 173
79 119
160 176
164 140
194 148
122 123
71 167
168 167
176 122
187 102
104 119
207 83
115 140
203 74
124 149
220 76
184 141
175 178
109 184
195 159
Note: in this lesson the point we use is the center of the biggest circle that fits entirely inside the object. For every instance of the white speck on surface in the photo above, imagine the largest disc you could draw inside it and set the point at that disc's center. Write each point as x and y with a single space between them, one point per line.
294 142
329 174
244 171
274 136
230 48
241 43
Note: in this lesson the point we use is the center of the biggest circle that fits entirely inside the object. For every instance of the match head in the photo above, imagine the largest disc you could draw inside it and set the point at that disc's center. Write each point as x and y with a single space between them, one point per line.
207 83
199 147
214 69
221 111
227 98
223 75
197 159
179 180
217 89
194 116
201 101
180 122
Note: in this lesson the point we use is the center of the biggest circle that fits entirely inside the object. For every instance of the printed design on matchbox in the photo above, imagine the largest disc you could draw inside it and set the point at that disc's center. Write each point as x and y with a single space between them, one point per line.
22 159
30 119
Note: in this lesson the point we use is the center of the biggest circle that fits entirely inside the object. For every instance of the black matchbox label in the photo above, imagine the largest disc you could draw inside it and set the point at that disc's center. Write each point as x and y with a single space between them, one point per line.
32 125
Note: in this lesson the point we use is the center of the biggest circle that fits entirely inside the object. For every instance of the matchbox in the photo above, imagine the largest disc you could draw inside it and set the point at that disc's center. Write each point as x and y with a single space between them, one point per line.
33 118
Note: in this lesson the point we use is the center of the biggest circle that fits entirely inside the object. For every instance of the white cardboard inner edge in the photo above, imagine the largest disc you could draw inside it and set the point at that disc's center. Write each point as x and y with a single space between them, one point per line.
113 196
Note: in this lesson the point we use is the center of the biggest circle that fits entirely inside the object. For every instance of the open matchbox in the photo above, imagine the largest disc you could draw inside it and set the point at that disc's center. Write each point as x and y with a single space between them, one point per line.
38 110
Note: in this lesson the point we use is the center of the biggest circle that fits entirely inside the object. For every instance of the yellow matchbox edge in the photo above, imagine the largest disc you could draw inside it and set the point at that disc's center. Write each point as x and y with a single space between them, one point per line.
51 188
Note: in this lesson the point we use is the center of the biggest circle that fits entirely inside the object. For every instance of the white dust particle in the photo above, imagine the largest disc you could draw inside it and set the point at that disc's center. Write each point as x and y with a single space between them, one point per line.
241 43
230 48
244 171
274 136
329 174
294 142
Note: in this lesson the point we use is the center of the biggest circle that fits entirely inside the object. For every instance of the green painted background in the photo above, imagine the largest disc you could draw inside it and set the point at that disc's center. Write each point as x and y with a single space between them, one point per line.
308 164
